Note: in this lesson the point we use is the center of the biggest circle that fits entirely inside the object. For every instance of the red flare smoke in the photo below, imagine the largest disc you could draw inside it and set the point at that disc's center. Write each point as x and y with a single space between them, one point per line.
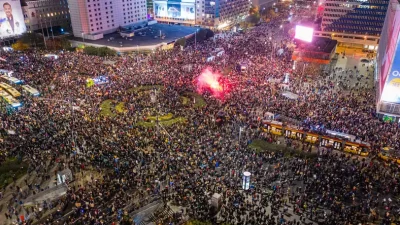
210 81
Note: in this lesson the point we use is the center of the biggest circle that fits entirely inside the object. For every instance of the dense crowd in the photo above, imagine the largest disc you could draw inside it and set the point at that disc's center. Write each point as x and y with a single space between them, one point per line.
185 163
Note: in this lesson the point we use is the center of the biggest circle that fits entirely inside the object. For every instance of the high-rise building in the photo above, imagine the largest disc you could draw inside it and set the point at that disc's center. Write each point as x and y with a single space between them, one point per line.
208 13
355 23
387 68
91 19
46 14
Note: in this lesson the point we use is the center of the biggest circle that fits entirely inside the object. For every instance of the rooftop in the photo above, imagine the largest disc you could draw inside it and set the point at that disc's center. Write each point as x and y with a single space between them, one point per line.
147 37
319 44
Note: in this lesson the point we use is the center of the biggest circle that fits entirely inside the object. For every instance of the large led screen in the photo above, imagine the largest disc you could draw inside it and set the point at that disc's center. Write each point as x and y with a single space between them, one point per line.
304 33
175 9
11 18
391 90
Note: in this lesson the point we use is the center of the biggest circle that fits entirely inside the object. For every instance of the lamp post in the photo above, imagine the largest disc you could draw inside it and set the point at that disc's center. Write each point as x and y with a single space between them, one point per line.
240 134
195 39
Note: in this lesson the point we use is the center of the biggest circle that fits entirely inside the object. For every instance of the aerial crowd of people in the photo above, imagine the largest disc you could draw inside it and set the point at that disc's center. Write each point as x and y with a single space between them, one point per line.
126 163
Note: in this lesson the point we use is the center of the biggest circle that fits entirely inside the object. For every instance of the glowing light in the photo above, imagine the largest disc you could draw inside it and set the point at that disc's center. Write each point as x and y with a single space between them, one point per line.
304 33
212 82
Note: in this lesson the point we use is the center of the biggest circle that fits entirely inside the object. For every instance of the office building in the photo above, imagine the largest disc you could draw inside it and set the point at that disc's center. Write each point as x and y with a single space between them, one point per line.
91 19
387 67
207 13
354 23
46 14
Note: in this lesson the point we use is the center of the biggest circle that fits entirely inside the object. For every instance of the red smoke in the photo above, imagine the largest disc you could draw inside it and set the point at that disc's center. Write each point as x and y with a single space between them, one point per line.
210 81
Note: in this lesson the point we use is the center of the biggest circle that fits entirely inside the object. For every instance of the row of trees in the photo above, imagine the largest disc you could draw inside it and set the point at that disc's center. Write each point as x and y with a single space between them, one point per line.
102 51
36 40
29 40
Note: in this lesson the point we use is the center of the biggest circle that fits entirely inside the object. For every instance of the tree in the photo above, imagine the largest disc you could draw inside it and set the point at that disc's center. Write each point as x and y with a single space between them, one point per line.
103 51
180 42
210 33
202 35
32 39
254 10
58 43
20 46
90 50
253 19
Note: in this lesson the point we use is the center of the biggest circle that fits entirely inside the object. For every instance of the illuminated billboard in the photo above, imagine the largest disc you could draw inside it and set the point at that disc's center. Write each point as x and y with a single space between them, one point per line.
175 9
391 90
304 33
11 18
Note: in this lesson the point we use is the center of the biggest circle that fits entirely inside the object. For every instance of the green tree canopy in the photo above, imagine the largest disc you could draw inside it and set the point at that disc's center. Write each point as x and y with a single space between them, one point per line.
32 39
253 19
180 42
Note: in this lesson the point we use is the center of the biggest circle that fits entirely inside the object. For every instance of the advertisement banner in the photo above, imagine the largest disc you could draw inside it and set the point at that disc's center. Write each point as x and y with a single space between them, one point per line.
391 90
387 44
175 9
11 18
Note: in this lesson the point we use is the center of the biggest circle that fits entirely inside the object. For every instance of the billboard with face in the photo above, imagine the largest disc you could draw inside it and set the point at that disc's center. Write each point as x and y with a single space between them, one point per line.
11 18
175 9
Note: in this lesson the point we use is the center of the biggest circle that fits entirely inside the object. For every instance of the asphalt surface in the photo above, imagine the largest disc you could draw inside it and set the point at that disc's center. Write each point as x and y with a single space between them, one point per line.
151 36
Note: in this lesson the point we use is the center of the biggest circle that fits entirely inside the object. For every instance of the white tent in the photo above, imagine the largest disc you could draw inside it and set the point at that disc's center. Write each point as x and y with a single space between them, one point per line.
290 95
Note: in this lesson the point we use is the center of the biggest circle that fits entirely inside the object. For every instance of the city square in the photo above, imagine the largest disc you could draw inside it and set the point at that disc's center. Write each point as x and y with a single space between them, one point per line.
271 121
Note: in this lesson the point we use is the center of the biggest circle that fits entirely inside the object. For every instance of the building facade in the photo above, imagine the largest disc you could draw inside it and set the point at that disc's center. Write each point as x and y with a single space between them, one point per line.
92 18
207 13
355 23
46 14
387 75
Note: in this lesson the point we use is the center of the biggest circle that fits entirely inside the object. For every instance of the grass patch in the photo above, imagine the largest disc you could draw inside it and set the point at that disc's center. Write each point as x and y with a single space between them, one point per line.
165 123
120 107
145 88
199 100
11 168
185 100
108 105
263 146
161 118
106 108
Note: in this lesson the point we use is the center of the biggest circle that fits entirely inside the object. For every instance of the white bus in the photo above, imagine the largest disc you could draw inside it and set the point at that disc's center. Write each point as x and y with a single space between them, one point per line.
32 91
6 72
13 80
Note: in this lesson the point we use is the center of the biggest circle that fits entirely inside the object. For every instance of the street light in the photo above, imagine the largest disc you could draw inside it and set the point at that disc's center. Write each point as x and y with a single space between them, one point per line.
240 134
83 37
195 39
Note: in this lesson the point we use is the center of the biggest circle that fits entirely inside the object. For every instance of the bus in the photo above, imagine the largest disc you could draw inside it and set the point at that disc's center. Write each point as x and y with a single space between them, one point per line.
6 72
12 91
9 99
389 154
332 139
30 90
12 80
